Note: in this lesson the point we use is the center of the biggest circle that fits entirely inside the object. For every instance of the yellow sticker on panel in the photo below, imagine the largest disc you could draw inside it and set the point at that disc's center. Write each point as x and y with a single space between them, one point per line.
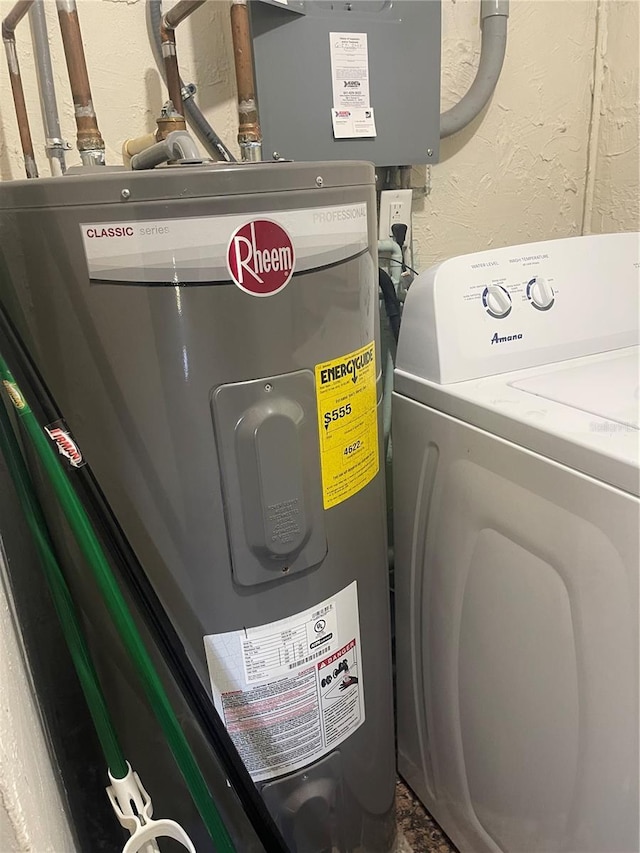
347 423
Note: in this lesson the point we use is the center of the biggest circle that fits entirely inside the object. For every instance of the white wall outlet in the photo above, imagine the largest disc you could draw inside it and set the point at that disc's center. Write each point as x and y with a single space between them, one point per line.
395 206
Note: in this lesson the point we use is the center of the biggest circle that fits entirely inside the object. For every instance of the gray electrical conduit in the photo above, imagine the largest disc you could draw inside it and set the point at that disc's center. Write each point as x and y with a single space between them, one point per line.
178 145
210 139
494 17
55 146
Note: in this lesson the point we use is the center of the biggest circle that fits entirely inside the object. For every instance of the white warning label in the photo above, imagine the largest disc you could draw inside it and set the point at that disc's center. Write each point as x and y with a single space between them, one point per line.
274 650
352 114
341 706
291 691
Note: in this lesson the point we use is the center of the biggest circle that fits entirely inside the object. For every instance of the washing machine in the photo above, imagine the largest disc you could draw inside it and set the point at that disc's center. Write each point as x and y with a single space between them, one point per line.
516 476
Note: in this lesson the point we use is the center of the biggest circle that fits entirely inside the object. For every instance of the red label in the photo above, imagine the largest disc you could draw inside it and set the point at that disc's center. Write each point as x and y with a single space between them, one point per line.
261 257
66 445
334 657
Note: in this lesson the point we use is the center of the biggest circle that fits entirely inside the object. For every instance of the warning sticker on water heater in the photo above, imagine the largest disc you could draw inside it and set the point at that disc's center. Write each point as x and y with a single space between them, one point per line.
347 423
289 692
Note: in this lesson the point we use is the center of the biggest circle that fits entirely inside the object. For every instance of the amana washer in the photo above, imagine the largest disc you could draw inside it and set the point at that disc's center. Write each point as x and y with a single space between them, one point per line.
516 451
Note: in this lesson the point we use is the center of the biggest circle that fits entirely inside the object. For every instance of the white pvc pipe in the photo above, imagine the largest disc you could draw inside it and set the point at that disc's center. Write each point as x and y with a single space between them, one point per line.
391 249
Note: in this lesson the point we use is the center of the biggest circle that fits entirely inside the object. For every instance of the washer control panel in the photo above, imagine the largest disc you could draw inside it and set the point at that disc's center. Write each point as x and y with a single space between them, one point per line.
521 306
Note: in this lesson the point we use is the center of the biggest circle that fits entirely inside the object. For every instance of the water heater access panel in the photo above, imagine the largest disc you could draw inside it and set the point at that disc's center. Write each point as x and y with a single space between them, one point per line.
339 80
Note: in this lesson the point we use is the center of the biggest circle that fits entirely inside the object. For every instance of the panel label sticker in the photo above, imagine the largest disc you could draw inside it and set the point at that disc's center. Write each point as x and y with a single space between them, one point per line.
347 424
351 124
291 691
352 114
350 70
258 252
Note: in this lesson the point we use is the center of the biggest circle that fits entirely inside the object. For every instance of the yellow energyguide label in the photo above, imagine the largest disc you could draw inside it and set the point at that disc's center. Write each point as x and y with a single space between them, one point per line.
347 423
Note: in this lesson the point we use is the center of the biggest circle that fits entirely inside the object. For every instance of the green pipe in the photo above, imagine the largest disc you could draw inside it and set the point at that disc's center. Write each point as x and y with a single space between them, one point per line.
62 600
94 555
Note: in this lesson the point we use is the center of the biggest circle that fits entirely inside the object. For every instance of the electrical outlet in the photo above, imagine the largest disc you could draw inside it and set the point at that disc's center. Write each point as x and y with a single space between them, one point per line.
395 206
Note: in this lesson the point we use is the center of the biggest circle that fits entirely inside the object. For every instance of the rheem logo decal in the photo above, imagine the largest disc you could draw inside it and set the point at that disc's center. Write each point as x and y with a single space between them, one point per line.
261 257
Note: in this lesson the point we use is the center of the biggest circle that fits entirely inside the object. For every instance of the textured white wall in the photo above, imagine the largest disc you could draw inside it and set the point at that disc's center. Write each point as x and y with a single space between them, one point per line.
613 198
32 816
518 172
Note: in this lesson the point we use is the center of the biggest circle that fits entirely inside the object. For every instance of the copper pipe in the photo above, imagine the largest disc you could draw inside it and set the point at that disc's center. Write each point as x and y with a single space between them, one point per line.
9 25
14 17
180 11
249 132
90 141
170 58
170 21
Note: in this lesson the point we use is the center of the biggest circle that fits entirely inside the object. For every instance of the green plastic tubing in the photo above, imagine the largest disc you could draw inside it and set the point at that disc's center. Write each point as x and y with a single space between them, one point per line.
122 619
62 600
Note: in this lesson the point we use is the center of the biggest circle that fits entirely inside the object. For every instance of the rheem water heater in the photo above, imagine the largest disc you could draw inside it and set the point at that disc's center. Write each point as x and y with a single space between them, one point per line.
210 335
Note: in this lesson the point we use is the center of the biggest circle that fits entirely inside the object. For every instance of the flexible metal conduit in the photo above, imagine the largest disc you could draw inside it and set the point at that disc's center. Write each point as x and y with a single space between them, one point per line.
90 141
210 139
494 20
55 146
9 25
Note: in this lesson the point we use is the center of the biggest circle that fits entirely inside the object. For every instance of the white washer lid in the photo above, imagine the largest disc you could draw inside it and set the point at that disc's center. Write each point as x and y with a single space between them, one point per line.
608 389
582 413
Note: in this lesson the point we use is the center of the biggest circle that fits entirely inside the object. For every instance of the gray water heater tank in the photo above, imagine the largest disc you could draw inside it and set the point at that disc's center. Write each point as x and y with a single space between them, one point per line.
210 335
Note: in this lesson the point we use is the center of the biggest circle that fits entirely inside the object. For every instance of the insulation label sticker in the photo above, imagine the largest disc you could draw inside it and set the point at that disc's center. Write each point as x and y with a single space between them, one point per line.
291 691
258 251
352 115
347 424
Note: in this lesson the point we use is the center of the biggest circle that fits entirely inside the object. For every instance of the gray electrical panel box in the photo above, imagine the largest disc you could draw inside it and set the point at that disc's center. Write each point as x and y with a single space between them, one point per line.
348 79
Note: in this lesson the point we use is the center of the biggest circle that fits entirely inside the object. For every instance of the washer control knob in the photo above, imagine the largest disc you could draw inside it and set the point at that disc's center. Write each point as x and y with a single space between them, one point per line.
540 294
496 300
